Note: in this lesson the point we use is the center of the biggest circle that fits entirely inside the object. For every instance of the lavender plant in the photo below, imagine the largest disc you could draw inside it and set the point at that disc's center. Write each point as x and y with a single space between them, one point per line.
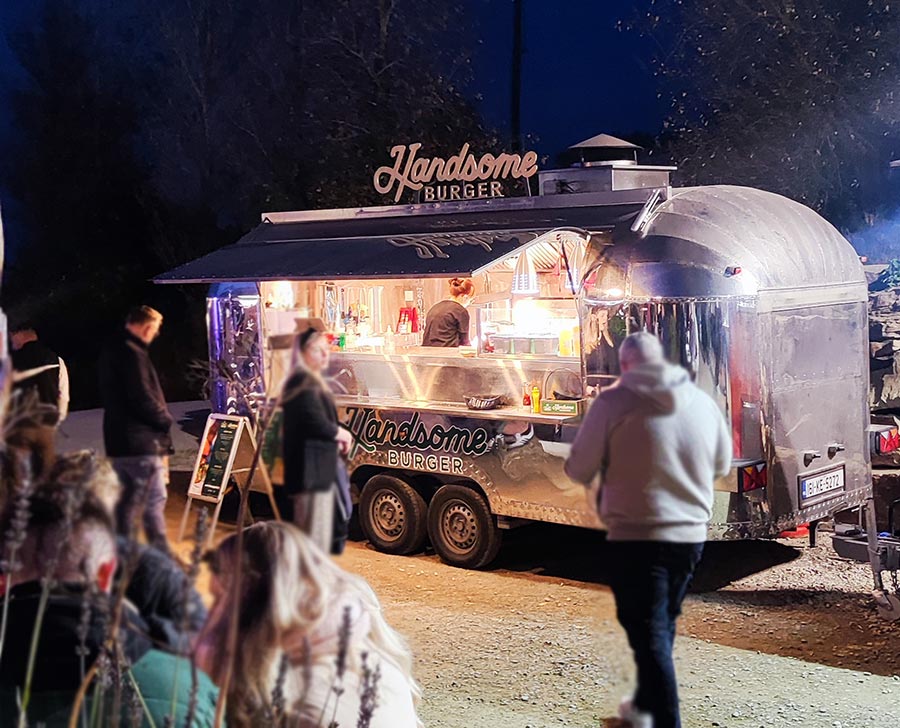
201 531
16 537
340 662
71 502
368 698
277 713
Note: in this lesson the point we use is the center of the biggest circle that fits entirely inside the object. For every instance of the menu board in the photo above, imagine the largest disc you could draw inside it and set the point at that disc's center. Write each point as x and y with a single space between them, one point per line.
215 459
227 452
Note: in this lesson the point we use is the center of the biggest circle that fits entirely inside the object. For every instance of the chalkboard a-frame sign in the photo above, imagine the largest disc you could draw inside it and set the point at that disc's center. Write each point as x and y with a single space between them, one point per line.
226 451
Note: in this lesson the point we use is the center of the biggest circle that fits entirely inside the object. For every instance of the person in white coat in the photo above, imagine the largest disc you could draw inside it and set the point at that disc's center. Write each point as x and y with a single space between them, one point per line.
655 443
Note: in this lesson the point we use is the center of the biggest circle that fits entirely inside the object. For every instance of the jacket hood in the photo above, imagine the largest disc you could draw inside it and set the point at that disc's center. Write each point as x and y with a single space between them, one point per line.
667 386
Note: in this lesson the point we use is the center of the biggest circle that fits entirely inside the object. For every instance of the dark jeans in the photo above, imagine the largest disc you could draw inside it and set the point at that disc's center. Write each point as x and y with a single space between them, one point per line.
143 498
649 580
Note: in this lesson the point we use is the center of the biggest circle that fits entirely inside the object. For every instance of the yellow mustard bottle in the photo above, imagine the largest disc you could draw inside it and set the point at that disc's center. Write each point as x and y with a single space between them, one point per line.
535 399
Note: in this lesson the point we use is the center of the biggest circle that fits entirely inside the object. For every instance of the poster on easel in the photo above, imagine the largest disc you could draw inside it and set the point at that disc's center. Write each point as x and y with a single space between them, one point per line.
226 452
215 458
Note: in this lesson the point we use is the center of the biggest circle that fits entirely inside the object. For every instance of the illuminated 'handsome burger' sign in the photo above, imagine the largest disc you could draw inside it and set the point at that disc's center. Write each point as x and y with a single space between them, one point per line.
462 176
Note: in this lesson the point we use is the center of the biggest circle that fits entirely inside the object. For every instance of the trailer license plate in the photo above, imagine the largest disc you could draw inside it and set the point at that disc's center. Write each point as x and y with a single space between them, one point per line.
827 482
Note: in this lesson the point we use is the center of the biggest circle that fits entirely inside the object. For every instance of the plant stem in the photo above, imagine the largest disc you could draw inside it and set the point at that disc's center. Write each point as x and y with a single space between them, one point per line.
141 698
235 586
32 652
8 587
95 706
79 697
173 706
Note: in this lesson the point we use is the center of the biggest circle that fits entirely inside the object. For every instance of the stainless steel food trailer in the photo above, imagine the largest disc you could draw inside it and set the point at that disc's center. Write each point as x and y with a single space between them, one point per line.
759 297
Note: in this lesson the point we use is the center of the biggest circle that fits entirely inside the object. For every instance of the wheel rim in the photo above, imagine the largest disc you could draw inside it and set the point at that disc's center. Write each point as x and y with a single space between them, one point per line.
388 515
459 528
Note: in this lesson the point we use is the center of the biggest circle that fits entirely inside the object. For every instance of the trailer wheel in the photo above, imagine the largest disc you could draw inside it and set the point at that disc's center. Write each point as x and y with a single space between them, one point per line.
392 515
461 527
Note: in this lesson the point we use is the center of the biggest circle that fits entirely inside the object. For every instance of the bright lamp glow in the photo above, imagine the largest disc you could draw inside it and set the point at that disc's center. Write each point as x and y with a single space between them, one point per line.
283 295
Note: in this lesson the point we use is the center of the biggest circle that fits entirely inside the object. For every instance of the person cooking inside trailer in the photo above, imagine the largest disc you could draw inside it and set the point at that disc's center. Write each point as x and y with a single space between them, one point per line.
447 322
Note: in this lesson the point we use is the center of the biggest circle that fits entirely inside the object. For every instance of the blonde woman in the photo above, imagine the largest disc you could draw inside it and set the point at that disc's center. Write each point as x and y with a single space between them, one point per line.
309 634
312 443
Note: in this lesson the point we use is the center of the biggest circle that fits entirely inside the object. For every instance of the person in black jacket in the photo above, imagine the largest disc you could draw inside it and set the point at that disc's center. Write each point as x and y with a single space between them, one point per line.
312 442
37 385
136 425
447 322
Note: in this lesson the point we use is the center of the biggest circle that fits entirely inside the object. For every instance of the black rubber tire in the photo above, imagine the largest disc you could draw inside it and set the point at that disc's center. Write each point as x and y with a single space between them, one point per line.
461 527
392 515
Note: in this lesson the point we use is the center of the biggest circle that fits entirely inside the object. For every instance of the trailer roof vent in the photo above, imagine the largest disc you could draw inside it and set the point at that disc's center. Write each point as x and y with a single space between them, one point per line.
600 149
600 164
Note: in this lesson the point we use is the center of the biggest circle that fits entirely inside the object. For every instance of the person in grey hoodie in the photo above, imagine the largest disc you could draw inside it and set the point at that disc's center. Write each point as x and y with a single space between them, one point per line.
657 443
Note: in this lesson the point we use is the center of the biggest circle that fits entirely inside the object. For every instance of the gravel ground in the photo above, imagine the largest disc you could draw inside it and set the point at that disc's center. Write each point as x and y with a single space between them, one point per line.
798 642
774 634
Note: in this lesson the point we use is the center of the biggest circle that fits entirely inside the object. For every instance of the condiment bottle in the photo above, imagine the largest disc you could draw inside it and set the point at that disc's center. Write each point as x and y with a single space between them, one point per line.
526 395
535 399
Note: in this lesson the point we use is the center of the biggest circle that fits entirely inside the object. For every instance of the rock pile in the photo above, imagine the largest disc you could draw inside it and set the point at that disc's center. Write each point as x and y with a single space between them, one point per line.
884 339
884 388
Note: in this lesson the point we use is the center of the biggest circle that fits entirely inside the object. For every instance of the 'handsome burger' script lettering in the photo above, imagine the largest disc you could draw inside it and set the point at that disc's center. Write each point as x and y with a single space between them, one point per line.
414 173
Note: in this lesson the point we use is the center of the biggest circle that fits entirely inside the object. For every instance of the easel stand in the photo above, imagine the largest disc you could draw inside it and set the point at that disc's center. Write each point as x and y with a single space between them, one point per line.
226 451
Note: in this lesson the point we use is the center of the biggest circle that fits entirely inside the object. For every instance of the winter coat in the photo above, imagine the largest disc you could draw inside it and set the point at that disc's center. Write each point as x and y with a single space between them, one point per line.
310 425
136 420
658 443
313 654
57 672
162 594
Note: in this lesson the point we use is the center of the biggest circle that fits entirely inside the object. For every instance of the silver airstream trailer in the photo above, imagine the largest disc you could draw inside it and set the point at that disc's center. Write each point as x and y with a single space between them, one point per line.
759 297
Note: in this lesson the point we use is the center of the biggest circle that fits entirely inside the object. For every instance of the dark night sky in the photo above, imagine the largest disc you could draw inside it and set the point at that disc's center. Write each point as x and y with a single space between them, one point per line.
581 76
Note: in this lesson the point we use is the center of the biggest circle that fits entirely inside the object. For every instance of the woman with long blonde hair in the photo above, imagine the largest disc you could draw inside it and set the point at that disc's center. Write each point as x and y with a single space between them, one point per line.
313 639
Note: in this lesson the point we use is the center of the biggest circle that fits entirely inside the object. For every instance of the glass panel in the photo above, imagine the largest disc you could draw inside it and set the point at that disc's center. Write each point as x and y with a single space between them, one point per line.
542 326
235 353
716 341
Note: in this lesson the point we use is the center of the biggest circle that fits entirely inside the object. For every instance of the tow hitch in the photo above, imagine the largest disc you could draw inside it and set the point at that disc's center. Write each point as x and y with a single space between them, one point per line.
880 550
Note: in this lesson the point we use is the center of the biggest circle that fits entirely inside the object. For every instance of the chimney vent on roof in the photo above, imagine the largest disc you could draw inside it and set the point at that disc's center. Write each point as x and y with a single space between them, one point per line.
600 164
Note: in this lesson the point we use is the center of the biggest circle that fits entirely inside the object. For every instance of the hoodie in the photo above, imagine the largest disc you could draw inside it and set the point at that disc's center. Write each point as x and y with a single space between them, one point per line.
658 443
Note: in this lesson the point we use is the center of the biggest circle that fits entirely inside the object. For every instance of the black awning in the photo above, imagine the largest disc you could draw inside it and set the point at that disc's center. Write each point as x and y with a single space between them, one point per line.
396 246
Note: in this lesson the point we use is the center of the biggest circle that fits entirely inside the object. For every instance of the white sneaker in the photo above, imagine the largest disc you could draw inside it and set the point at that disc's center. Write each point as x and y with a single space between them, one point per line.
634 717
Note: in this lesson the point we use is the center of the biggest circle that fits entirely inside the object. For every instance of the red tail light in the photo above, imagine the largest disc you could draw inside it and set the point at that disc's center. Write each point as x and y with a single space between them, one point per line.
885 438
752 477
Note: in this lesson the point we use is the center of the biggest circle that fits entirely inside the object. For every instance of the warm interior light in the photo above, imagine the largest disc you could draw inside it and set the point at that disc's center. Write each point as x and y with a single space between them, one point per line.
283 295
530 317
525 280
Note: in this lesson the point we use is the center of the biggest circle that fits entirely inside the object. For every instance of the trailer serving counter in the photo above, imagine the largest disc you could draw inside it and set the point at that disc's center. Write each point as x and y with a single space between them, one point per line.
759 297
